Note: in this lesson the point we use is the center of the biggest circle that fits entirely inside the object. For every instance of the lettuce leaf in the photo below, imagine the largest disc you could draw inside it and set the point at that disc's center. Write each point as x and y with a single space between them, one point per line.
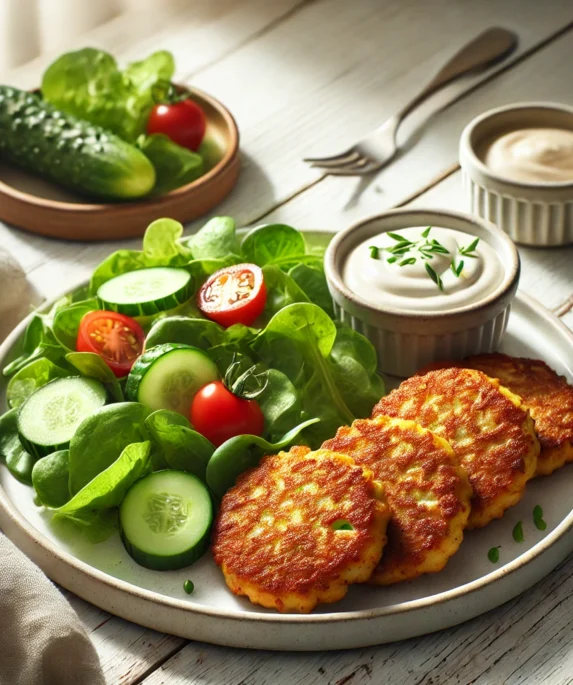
89 85
175 166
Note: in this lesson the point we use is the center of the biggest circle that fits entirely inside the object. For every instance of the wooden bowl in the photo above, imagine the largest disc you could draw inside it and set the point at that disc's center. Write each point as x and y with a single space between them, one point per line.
40 206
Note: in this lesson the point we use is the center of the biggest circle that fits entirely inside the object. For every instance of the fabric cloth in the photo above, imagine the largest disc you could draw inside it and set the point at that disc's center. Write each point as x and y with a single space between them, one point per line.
42 641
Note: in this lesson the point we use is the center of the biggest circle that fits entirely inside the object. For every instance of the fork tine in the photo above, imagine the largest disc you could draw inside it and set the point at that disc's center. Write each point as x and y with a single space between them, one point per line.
344 158
367 166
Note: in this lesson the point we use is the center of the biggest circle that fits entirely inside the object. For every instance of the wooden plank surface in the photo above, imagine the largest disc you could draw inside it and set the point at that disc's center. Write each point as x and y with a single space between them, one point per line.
302 77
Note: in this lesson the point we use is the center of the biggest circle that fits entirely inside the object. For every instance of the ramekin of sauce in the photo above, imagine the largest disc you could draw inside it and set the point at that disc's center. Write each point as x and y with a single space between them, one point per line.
423 285
517 167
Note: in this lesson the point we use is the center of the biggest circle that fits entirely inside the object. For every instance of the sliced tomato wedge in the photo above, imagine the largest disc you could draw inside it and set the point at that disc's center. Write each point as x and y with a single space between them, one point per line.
235 294
118 339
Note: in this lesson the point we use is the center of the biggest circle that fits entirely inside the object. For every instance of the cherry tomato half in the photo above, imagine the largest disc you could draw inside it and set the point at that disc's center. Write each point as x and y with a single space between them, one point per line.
117 339
184 122
218 414
236 294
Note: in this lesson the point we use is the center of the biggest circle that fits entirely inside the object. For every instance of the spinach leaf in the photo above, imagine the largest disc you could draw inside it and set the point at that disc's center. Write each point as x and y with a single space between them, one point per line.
282 290
17 460
39 341
90 507
353 364
200 333
312 281
88 84
242 452
217 239
273 244
280 404
180 446
100 439
33 376
175 166
67 321
299 341
91 365
50 477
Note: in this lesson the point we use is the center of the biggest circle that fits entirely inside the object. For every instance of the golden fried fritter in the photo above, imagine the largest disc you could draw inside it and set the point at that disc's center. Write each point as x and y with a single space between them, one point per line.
491 432
300 528
548 397
428 493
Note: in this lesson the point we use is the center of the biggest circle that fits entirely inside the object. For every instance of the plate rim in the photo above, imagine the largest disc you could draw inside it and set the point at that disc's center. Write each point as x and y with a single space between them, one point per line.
8 509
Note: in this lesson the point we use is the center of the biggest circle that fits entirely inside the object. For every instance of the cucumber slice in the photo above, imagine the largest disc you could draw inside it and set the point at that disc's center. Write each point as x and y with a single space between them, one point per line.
48 419
168 376
165 520
146 291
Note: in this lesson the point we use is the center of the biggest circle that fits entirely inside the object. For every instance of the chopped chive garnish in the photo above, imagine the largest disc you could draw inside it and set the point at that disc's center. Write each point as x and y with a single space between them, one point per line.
400 238
493 554
538 518
434 276
457 269
374 251
188 586
466 251
518 532
408 251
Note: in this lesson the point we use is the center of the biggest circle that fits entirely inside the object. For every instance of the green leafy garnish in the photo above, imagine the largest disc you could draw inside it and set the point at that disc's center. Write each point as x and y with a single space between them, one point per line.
374 251
457 269
493 554
434 276
540 524
518 532
469 249
426 232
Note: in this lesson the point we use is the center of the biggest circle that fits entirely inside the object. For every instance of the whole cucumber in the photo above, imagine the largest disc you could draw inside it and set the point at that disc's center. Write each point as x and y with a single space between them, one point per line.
37 137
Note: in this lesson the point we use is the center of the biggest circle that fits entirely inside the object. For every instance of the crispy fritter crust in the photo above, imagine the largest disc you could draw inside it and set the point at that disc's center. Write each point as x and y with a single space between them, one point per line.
274 537
548 397
489 429
428 493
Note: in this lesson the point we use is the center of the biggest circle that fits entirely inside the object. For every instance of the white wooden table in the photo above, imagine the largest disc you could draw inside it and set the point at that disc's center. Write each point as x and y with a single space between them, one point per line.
312 76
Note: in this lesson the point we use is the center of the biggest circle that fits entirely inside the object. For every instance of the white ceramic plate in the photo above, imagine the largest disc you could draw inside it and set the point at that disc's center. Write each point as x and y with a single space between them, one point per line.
470 585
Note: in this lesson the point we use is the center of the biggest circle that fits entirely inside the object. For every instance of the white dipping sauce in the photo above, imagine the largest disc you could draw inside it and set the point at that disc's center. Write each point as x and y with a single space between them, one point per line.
533 155
409 287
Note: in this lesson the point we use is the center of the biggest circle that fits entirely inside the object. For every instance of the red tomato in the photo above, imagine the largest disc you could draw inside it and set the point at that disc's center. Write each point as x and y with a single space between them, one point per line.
117 339
184 122
236 294
219 415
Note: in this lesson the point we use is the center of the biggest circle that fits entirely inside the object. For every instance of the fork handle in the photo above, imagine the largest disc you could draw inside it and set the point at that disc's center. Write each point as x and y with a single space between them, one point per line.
487 49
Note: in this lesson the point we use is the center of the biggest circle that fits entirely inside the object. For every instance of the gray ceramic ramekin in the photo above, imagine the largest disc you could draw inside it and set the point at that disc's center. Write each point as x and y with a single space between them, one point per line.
408 340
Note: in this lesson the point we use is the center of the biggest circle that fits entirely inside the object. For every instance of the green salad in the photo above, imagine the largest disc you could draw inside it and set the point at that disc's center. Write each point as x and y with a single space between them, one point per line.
105 132
176 369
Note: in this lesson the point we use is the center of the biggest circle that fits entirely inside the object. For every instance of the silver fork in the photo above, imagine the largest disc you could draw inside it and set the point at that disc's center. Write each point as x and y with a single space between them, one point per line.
380 146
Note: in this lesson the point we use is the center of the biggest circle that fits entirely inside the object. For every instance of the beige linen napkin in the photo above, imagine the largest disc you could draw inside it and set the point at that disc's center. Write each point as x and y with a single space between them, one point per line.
42 641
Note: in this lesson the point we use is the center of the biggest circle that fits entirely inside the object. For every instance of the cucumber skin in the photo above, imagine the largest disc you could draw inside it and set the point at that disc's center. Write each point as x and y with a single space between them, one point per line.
37 137
172 563
176 561
144 363
150 308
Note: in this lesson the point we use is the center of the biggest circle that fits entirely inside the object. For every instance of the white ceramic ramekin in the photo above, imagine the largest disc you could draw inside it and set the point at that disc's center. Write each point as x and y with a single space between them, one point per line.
530 213
408 340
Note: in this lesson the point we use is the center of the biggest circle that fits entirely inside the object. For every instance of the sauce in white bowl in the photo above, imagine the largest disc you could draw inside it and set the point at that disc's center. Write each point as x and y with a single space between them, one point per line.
436 272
